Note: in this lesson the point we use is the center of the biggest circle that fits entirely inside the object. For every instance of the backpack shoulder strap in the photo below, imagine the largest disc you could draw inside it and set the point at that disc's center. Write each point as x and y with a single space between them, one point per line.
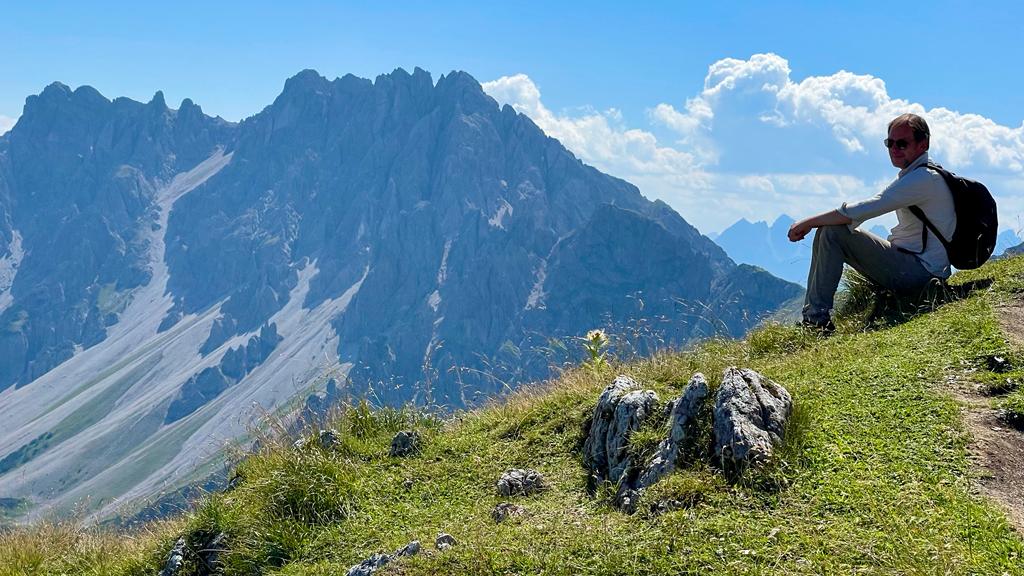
916 211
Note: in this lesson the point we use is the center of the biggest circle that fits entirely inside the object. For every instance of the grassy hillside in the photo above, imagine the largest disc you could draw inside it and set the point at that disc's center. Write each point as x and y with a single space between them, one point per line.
874 477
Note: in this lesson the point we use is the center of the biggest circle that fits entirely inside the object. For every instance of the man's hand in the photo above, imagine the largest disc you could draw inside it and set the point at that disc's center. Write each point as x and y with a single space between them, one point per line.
799 230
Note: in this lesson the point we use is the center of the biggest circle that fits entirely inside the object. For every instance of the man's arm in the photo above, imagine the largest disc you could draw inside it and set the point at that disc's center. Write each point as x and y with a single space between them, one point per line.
800 229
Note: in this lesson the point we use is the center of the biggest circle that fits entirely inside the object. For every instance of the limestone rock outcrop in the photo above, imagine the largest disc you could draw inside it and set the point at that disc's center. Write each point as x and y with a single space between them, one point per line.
621 409
681 433
174 559
748 422
749 419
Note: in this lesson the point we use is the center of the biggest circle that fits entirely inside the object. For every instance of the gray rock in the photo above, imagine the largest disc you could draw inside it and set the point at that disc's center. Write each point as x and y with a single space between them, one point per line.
326 439
405 442
209 553
620 410
682 425
520 482
174 558
749 419
663 506
506 510
329 439
370 565
444 541
234 481
627 498
373 563
410 549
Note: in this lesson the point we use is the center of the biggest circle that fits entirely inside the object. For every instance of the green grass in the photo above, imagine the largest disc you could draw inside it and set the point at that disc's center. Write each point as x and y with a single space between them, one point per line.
111 301
874 477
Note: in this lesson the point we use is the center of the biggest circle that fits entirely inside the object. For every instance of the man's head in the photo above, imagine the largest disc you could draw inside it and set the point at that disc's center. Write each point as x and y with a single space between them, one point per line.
908 139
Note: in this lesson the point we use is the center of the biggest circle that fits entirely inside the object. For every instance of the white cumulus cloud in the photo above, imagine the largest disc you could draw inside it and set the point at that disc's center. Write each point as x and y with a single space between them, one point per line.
599 138
756 142
854 109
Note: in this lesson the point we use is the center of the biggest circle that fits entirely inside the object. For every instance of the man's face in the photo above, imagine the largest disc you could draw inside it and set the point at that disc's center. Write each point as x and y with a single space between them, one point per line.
900 134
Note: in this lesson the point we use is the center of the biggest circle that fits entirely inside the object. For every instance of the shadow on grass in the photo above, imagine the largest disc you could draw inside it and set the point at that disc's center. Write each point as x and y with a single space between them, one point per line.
879 307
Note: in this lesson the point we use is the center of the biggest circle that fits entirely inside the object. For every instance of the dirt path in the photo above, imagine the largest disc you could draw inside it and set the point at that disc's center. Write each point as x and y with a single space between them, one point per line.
996 448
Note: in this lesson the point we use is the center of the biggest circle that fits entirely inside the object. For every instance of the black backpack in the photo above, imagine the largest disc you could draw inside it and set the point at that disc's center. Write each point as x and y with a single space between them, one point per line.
974 238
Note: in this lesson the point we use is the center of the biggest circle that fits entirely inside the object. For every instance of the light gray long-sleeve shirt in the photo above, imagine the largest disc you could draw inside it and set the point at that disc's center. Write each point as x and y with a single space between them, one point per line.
924 188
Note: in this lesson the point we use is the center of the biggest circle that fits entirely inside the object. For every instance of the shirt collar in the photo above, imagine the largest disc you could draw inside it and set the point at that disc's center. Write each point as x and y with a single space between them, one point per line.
922 159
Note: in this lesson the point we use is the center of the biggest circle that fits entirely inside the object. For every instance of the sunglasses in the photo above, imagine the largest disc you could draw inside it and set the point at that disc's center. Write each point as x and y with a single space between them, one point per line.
900 144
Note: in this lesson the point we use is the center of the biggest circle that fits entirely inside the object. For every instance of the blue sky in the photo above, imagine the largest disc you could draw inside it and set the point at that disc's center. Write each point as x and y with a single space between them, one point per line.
612 80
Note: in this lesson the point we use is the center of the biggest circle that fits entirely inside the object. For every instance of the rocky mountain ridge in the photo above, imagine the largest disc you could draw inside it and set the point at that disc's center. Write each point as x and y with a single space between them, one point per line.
170 275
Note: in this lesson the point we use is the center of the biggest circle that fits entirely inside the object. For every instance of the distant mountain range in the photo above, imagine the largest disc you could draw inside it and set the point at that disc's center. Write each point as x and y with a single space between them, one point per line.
1007 242
167 277
766 246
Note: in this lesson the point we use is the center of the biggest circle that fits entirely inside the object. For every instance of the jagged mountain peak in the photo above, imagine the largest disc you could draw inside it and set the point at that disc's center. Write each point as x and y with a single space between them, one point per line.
55 91
58 96
783 220
457 78
305 81
466 89
158 100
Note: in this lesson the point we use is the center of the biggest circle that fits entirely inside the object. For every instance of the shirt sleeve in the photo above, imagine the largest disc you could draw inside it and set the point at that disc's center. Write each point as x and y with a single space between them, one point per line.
907 191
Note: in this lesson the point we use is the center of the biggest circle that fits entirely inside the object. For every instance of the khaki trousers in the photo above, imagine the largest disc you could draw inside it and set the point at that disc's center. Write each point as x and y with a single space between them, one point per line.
873 257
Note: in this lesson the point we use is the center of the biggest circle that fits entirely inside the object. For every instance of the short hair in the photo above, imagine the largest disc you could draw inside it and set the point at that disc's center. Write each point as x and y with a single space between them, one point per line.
916 123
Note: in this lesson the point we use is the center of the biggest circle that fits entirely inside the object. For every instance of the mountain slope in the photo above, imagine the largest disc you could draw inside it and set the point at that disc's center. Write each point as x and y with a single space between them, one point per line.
875 475
171 276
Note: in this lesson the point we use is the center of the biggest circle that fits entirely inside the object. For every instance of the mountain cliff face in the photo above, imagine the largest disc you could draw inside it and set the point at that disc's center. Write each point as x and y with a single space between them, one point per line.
165 275
77 179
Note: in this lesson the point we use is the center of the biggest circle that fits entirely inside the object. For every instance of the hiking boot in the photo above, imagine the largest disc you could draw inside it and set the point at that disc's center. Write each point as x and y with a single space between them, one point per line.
822 328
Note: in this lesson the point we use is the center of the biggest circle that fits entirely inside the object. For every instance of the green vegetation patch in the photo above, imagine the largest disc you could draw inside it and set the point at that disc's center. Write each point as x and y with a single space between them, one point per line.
109 300
874 476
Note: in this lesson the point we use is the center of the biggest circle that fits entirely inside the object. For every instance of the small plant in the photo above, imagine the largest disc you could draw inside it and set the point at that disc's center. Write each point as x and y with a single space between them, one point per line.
595 343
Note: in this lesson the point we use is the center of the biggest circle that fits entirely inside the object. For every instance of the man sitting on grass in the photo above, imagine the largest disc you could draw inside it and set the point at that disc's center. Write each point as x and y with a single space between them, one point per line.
911 256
